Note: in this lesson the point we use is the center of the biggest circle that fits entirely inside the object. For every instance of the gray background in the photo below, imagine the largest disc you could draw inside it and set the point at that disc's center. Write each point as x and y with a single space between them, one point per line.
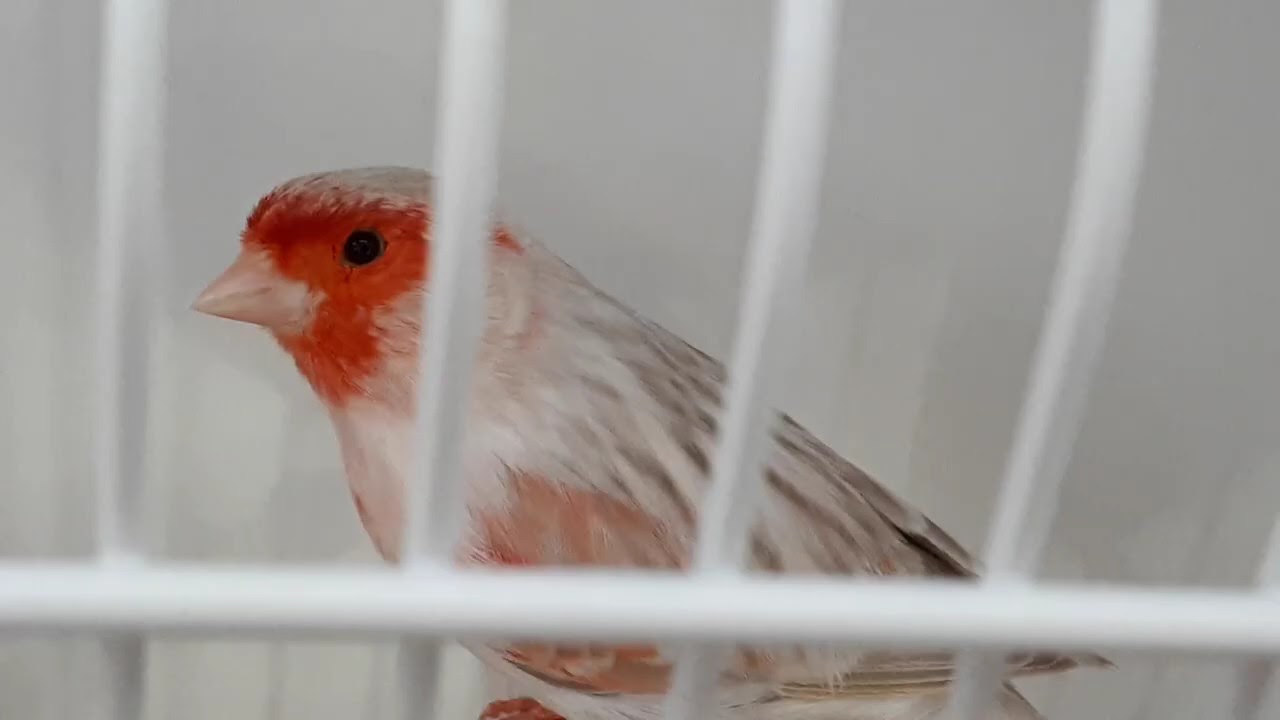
629 143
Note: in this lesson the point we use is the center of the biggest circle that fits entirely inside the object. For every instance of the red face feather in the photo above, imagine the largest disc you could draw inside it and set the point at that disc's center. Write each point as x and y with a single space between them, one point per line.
292 276
304 234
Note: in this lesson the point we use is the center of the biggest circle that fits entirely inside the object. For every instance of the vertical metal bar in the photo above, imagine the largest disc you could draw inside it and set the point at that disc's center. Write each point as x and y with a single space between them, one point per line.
1097 233
420 675
470 113
131 109
804 45
1257 676
375 695
129 167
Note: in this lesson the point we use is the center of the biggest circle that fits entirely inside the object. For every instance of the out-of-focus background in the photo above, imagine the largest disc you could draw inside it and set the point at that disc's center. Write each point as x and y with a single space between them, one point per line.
630 143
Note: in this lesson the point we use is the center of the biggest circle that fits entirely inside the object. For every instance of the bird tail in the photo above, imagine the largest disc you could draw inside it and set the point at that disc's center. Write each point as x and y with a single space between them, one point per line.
1008 705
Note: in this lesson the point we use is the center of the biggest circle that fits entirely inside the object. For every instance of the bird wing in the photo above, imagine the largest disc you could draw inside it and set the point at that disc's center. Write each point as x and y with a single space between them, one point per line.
638 473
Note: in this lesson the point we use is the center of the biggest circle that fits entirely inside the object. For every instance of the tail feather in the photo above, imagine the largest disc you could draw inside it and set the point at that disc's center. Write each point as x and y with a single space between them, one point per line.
1008 705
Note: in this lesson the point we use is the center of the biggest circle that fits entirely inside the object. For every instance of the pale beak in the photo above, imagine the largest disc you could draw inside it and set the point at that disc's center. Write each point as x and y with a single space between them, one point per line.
251 291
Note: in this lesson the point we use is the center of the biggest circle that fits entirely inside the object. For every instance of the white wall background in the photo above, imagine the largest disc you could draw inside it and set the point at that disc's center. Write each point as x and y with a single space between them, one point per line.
630 143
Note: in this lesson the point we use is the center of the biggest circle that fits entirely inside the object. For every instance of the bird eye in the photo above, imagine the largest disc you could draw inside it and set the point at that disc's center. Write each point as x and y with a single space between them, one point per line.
362 247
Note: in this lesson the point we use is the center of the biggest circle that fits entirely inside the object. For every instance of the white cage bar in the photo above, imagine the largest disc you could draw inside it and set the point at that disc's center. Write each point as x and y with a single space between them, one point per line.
128 227
196 600
782 231
1097 233
466 148
470 110
123 599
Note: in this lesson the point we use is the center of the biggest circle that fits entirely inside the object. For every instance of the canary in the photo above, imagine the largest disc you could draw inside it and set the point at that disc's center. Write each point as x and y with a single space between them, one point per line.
588 433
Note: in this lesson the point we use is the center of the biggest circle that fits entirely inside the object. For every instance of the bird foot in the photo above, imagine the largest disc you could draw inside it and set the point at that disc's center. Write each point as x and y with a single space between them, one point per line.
518 709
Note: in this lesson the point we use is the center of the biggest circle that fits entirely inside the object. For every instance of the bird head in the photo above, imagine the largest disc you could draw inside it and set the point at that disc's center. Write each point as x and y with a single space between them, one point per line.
334 265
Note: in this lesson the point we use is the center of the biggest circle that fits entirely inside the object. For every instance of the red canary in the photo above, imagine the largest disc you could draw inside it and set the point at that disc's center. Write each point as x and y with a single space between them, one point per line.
587 441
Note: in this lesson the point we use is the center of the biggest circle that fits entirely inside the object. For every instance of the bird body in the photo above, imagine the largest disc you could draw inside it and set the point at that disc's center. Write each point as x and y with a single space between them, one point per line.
587 440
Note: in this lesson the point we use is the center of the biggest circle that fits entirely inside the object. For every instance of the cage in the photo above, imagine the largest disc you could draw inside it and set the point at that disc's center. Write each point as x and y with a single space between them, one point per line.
950 150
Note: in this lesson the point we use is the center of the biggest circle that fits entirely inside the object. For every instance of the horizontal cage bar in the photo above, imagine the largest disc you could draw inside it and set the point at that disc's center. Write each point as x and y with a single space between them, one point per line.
179 599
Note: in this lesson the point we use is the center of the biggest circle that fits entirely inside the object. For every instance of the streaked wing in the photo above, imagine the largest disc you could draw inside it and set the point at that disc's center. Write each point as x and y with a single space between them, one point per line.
639 478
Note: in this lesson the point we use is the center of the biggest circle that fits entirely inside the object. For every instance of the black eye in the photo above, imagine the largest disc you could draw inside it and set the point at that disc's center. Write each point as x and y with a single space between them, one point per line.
362 247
